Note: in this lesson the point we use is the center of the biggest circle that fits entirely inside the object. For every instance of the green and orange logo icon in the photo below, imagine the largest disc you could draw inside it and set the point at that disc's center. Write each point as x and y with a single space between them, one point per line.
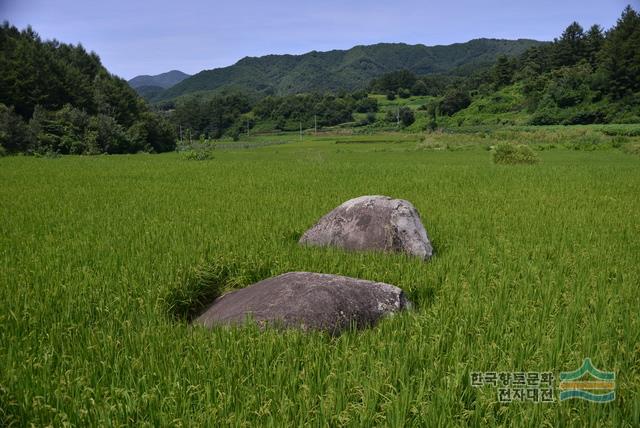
588 383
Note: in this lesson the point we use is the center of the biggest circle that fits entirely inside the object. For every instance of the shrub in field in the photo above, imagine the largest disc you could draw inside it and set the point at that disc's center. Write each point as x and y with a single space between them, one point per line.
512 154
197 150
198 154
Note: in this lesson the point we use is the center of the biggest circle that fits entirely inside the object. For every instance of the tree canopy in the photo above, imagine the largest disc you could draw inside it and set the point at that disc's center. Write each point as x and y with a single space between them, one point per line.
58 97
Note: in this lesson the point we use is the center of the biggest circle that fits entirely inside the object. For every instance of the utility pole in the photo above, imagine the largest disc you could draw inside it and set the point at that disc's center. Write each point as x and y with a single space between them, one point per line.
315 119
300 130
398 116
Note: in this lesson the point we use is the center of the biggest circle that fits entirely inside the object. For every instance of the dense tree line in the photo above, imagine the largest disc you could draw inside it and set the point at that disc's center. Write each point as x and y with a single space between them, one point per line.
307 109
590 76
211 116
56 97
403 83
230 114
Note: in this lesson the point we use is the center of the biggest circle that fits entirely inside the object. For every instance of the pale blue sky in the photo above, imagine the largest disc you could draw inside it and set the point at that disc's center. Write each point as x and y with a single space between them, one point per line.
136 37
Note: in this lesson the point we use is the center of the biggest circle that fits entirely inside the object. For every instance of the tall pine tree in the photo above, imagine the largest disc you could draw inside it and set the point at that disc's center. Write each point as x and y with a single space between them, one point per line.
621 55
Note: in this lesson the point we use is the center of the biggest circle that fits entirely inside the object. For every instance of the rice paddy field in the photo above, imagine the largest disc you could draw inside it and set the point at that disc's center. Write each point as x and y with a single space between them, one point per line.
103 258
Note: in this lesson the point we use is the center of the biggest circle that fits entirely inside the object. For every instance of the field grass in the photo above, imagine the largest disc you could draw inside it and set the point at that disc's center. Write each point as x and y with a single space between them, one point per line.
537 267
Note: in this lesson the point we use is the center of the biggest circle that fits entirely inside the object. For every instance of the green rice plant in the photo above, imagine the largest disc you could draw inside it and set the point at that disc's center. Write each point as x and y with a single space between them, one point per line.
199 286
105 259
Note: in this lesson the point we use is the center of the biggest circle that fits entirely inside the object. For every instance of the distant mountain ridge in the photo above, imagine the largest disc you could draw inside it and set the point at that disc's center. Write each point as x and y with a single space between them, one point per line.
344 69
164 80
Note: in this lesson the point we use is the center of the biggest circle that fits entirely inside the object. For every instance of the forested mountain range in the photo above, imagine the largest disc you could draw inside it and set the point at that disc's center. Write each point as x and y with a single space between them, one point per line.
164 80
345 70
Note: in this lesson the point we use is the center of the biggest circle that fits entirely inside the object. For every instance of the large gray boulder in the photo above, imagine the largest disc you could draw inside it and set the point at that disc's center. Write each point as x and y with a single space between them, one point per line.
309 301
372 223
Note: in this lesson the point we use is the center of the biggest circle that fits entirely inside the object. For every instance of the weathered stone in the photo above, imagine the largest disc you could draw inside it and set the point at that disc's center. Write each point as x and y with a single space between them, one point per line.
372 223
309 301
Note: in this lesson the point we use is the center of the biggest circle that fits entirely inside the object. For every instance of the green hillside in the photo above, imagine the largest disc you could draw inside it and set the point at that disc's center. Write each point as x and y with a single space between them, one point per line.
346 69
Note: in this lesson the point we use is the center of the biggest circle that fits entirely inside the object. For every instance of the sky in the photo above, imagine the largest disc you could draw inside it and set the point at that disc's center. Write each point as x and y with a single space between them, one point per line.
139 37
